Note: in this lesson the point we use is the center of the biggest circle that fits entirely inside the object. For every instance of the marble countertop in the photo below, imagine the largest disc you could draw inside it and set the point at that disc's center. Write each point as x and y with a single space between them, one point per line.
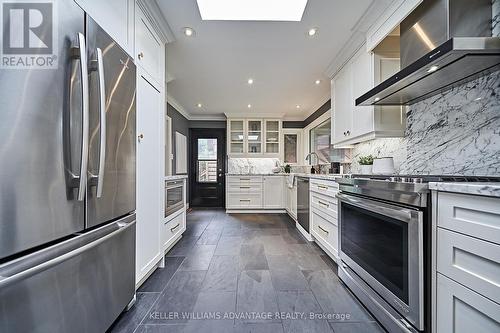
309 175
175 177
490 189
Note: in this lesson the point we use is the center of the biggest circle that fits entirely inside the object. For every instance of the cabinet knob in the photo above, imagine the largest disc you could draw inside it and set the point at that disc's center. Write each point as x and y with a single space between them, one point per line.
140 55
345 133
140 136
348 132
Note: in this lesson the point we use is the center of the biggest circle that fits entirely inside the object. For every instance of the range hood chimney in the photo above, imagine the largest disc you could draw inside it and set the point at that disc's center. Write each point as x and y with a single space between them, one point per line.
443 43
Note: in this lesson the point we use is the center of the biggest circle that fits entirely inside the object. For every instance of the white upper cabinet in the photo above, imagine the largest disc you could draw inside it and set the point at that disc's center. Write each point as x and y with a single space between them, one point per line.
116 17
149 49
353 124
254 137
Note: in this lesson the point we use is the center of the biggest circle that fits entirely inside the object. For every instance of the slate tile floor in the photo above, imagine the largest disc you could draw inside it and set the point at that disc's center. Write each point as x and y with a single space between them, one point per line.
244 263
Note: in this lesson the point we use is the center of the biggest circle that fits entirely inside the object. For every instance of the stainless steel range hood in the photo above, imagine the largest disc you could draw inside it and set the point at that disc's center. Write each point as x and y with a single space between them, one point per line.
462 29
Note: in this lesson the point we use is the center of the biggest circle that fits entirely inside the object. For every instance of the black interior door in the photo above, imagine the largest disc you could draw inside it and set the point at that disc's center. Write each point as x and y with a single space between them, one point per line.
207 167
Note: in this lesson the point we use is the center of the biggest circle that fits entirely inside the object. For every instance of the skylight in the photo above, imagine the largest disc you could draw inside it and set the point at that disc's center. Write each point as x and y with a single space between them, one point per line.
252 10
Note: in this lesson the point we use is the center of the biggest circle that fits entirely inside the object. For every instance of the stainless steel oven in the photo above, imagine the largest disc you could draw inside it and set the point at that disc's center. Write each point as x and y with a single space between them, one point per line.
383 244
174 196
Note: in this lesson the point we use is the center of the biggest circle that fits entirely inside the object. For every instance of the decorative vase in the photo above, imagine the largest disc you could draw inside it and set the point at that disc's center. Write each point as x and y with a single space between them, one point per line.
366 169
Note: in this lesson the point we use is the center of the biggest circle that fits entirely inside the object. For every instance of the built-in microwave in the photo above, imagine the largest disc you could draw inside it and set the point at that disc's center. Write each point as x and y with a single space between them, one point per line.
174 196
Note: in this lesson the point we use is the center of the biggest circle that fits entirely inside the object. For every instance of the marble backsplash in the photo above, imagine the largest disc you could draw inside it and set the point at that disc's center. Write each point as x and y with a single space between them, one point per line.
456 132
241 166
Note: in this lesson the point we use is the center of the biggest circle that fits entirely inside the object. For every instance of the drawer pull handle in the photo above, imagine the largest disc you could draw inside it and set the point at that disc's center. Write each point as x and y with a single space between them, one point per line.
245 187
323 204
323 187
245 200
245 179
325 231
172 229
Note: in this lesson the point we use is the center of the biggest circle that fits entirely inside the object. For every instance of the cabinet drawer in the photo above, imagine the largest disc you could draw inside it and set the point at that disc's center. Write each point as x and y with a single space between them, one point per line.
243 179
325 232
472 262
325 187
472 215
244 201
325 204
461 310
172 229
244 188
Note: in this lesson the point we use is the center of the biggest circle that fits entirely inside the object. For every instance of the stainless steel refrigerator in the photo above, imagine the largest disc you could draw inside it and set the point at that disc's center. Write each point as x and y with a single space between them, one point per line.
67 184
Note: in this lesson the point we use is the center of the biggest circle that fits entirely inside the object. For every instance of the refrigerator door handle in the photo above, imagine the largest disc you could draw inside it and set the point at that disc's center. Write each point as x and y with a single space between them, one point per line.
102 120
47 264
81 54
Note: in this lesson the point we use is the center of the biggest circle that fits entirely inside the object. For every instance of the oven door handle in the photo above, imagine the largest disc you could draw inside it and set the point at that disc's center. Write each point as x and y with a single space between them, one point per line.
393 211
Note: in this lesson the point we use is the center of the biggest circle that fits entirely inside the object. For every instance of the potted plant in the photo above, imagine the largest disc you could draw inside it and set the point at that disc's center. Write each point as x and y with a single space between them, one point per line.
366 163
287 168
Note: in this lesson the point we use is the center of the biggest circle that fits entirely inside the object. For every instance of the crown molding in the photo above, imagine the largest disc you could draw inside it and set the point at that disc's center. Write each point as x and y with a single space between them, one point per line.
247 115
212 117
153 13
172 101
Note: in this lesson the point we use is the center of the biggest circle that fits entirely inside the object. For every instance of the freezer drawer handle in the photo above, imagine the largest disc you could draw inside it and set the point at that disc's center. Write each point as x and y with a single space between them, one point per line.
8 280
102 120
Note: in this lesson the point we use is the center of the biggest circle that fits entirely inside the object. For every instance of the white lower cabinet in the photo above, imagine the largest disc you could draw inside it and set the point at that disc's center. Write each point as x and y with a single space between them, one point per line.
172 229
461 310
467 258
273 192
323 206
255 192
149 192
291 200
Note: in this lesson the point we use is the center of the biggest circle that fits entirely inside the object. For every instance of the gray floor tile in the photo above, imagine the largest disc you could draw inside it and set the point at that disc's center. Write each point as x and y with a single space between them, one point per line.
334 297
222 274
231 232
209 237
306 258
229 246
256 295
180 295
252 257
128 321
223 302
198 258
275 245
259 328
329 261
292 236
367 327
305 303
285 274
159 279
183 247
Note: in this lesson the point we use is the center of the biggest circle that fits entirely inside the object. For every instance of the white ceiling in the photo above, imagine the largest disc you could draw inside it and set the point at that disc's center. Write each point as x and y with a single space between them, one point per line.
213 67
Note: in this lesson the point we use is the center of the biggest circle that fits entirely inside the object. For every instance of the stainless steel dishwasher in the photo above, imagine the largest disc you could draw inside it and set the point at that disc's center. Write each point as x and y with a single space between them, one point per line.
303 202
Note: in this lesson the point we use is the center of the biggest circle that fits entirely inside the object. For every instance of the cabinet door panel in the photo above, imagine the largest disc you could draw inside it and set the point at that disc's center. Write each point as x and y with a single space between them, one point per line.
149 49
362 81
149 212
116 17
273 194
342 110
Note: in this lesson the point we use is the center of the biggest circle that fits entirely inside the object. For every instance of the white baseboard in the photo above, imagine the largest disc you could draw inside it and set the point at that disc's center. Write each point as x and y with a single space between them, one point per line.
256 211
303 232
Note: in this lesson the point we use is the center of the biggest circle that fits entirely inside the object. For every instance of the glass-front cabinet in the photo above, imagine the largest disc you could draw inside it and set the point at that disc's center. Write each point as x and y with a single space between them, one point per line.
253 137
273 131
236 136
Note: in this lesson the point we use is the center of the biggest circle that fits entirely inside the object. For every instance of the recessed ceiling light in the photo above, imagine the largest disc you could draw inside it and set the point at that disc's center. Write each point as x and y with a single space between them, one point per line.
250 81
188 32
377 99
297 106
317 81
249 106
312 32
252 10
199 105
432 69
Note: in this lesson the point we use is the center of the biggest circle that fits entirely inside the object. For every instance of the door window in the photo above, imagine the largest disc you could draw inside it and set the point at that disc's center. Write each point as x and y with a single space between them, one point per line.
207 161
